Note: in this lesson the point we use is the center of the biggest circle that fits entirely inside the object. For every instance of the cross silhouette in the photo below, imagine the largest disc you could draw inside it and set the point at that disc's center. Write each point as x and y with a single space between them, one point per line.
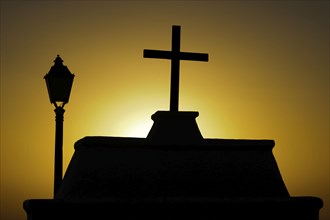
175 56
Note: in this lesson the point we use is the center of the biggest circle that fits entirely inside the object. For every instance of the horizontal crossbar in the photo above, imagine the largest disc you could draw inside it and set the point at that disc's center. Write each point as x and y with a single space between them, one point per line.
162 54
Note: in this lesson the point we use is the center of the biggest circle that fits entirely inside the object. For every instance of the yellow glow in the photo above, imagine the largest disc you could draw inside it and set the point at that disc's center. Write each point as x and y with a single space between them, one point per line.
267 78
137 129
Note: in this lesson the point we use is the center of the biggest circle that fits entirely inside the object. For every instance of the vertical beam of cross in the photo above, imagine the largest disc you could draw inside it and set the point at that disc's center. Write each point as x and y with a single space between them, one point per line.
175 69
175 55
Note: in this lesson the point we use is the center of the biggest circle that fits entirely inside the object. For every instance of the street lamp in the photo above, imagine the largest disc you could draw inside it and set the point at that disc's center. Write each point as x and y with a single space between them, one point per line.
59 83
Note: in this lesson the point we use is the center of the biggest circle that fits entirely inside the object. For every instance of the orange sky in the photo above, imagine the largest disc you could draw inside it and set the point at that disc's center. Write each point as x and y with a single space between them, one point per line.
267 78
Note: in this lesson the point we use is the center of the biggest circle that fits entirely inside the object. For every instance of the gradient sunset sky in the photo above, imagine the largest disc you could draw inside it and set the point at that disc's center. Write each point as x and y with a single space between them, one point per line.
267 78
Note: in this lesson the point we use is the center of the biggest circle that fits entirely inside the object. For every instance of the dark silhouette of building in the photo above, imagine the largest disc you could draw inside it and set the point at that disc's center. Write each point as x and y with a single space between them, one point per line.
173 173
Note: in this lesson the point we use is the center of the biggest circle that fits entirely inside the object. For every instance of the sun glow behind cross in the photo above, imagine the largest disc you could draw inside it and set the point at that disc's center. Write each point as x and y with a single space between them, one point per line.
138 128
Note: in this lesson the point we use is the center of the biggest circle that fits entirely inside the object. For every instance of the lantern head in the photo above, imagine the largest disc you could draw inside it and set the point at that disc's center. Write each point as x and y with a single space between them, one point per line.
59 82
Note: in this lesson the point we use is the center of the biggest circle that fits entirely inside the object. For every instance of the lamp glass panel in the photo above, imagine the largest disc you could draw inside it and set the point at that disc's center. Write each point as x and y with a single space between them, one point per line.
60 88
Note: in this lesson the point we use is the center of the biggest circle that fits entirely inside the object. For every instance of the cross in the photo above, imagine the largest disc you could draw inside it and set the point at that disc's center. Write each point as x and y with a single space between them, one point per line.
175 56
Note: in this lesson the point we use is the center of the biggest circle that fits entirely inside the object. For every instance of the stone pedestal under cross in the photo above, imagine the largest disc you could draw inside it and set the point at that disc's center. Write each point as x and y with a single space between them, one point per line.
175 56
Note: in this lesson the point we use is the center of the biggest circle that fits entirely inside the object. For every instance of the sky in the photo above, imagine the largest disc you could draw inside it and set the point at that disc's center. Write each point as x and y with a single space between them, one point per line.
267 78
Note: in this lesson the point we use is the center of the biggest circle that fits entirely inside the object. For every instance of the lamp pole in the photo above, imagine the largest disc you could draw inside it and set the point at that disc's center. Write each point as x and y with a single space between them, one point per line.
59 83
58 162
